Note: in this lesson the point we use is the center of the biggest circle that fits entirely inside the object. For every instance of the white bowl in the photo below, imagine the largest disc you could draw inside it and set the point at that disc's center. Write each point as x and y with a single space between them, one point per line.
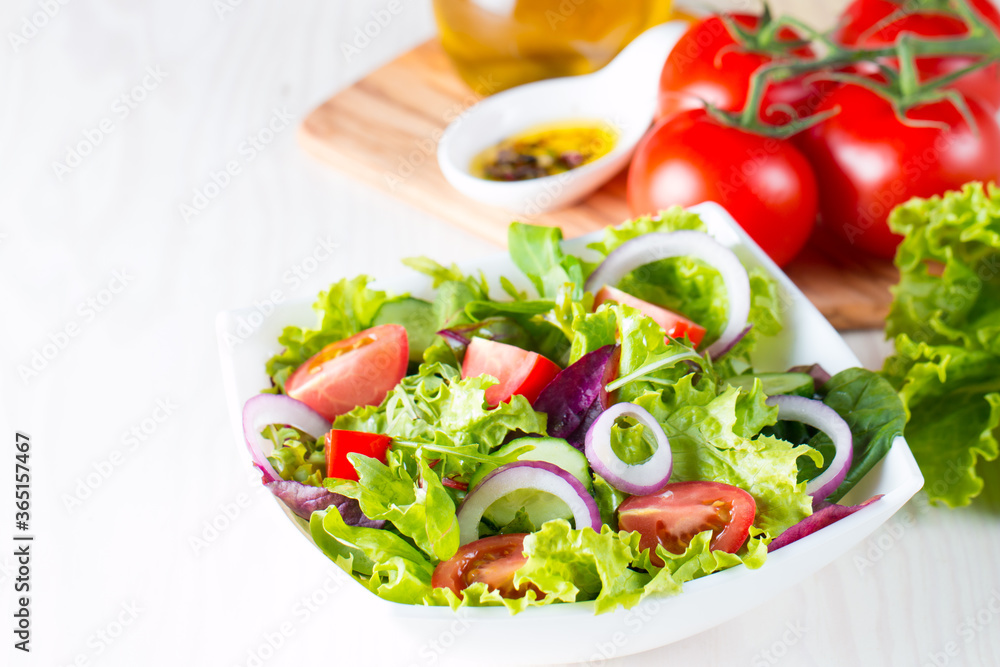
571 632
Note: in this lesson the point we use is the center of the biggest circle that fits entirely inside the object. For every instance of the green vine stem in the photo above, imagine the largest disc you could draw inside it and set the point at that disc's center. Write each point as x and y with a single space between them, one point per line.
904 89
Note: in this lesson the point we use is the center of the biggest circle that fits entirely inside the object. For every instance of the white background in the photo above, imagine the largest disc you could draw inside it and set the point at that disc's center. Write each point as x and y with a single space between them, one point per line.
124 545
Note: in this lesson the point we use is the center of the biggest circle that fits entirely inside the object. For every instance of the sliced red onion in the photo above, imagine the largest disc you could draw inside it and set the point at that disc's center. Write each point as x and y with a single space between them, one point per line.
826 514
642 478
650 248
820 416
536 475
265 409
724 351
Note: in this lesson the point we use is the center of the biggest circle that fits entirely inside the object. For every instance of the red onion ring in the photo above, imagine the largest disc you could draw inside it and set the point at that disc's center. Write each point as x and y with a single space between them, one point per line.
649 248
642 478
820 416
537 475
265 409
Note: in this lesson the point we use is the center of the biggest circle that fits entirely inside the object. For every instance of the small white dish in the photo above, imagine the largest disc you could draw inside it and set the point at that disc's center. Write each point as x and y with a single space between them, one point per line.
622 94
571 632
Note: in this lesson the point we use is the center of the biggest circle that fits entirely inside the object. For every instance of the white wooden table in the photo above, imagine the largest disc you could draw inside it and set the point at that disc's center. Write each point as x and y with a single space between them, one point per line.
150 178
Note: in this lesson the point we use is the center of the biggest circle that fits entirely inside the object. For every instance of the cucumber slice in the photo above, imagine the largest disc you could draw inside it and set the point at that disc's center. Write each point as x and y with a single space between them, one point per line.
540 506
775 384
417 316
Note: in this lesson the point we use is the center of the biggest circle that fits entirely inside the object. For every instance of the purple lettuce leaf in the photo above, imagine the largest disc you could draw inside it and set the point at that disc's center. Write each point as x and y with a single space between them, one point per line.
304 499
571 394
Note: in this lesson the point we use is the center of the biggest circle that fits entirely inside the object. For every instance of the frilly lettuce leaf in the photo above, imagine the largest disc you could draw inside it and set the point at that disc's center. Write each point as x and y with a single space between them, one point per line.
945 318
709 439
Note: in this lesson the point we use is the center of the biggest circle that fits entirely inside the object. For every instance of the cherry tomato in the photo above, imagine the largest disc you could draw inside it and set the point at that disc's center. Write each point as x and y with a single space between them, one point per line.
676 326
681 510
360 370
766 184
709 65
877 23
341 443
867 161
491 560
519 371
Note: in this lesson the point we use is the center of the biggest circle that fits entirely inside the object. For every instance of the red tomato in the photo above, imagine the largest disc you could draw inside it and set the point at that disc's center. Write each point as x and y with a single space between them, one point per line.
676 326
491 560
708 65
519 371
681 510
877 23
867 161
360 370
764 183
341 443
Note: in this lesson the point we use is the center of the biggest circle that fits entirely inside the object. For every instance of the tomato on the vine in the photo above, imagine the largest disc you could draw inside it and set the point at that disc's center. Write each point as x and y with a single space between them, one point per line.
709 65
867 160
877 23
766 184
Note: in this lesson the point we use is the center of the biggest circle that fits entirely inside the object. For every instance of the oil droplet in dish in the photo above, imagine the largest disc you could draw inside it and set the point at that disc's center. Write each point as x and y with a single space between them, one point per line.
545 150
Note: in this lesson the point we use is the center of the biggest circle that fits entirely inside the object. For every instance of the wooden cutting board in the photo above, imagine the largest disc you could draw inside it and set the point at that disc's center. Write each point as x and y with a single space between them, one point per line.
384 129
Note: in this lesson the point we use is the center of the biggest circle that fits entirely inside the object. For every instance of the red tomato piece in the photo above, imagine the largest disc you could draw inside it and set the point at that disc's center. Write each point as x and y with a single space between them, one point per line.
341 443
681 510
878 23
491 560
867 161
766 184
519 371
709 65
676 326
359 370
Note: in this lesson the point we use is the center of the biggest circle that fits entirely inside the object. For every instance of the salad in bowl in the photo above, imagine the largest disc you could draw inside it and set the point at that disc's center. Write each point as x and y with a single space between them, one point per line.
601 426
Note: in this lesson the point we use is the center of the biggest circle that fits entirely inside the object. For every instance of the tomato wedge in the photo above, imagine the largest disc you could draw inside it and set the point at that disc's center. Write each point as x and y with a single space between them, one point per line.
359 370
681 510
519 371
491 560
676 326
341 443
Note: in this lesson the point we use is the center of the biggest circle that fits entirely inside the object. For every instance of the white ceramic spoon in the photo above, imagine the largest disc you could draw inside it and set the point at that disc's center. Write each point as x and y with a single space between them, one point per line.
622 94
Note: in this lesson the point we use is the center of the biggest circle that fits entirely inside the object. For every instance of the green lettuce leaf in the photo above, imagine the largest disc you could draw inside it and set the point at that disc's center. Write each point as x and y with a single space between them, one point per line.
381 560
420 509
945 318
435 414
952 400
537 252
707 434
